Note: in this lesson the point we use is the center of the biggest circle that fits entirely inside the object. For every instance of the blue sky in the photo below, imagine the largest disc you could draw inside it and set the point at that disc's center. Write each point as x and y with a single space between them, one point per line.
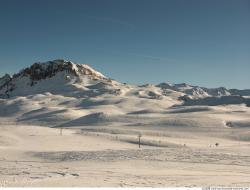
202 42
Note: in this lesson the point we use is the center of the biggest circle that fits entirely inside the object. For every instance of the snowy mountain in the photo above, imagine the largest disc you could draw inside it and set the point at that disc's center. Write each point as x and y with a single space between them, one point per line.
201 92
65 93
57 77
70 79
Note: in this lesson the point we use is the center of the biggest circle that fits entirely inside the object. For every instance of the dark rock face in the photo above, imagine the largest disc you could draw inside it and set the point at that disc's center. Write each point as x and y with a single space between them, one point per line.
39 71
6 85
5 80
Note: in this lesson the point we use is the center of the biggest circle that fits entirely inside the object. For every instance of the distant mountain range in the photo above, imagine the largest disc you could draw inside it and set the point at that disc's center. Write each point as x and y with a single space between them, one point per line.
73 79
63 93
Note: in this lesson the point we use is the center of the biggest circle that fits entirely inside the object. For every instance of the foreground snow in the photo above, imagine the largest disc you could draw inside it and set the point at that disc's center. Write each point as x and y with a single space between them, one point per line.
109 156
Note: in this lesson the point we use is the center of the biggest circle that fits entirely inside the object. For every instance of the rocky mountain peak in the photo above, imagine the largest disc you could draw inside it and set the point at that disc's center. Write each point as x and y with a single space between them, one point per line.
44 70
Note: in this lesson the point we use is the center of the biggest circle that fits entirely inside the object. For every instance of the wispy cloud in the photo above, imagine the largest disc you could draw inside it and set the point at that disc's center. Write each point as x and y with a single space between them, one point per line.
146 56
114 21
153 57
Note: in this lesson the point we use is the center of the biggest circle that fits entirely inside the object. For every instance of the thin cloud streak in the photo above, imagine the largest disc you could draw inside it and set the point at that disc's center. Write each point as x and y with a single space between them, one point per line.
147 56
115 21
153 57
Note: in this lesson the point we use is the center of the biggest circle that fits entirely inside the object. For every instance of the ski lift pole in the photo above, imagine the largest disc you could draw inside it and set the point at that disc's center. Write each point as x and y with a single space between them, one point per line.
139 140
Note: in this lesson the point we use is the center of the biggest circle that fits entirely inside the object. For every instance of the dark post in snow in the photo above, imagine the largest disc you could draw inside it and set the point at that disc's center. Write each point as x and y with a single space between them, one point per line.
60 131
139 140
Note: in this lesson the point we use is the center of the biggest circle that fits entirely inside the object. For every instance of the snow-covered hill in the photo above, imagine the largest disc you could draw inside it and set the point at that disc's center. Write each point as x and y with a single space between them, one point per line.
57 77
69 78
61 93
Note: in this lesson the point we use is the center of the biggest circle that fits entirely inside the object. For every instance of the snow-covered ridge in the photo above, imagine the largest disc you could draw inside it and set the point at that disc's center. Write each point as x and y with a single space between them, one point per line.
201 92
48 69
67 78
52 76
